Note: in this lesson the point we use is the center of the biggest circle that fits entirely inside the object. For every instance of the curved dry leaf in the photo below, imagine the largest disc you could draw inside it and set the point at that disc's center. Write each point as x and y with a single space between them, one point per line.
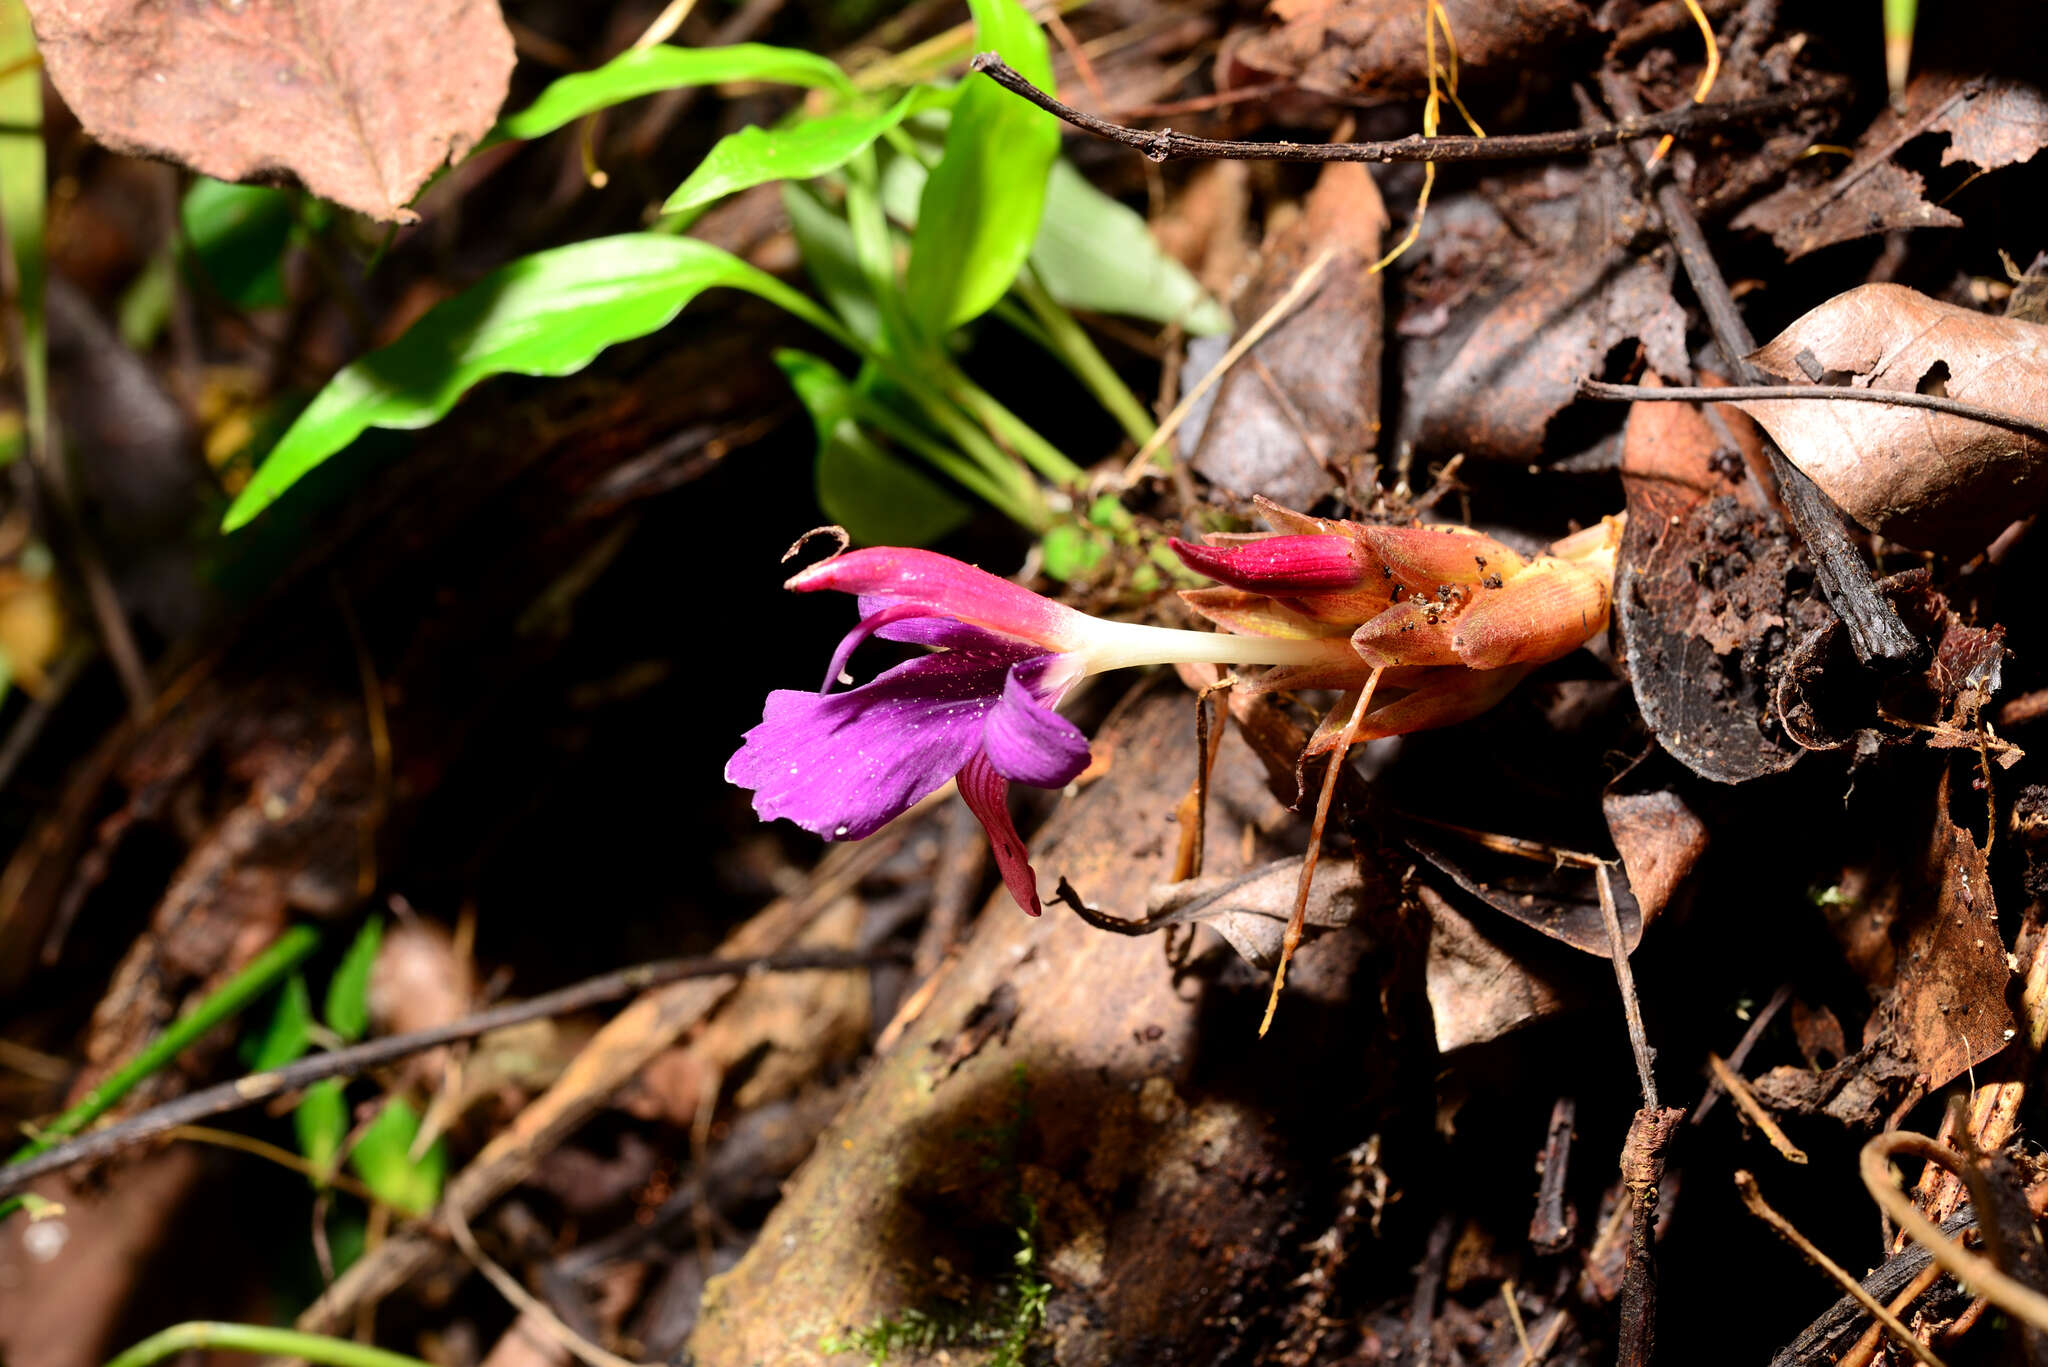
1923 479
1704 591
1991 122
361 100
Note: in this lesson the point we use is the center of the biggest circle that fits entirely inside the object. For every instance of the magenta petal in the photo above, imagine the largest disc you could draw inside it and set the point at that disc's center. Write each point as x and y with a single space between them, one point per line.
1026 740
948 587
869 624
842 765
1314 563
986 794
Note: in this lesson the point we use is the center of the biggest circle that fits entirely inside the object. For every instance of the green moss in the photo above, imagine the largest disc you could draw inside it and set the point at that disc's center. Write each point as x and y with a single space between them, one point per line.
1003 1322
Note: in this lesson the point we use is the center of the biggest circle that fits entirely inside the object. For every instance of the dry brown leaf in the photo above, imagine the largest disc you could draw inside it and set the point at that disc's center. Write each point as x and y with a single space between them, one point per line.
1991 122
1251 909
1923 479
1478 989
361 100
1306 400
1702 597
1521 292
1375 47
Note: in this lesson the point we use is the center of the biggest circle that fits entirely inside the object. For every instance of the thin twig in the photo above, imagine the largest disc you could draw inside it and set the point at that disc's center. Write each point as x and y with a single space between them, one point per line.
247 1091
1167 145
1739 1055
1746 1102
1761 1208
1267 321
1955 408
524 1300
1875 631
1625 978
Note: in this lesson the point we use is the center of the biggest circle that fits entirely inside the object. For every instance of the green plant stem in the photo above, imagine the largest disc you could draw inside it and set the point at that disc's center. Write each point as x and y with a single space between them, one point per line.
261 974
1069 341
1040 454
1007 490
199 1335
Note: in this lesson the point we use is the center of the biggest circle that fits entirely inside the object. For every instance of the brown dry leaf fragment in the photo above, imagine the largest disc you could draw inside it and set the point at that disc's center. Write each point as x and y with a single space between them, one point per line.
1661 841
1952 1012
1478 990
1924 479
1524 294
1704 589
1375 47
361 101
1251 910
1558 900
1305 401
1992 122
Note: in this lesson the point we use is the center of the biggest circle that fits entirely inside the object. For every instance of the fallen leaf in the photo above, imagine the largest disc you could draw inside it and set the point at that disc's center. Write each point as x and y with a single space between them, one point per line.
1707 589
1306 400
1992 121
1251 910
1522 293
362 102
1953 969
1560 900
1478 990
1661 841
1375 47
1924 479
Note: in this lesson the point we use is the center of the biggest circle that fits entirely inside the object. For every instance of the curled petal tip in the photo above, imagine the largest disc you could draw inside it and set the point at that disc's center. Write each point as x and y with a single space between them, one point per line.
1290 564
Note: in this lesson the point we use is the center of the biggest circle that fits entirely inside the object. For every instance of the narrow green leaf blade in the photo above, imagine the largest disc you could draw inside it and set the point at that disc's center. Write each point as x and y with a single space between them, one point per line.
811 147
981 207
321 1123
877 497
648 71
24 202
825 242
1097 254
382 1158
546 314
290 1029
348 992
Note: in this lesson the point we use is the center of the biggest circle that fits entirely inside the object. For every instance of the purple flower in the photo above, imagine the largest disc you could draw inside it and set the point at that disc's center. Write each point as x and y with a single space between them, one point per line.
842 765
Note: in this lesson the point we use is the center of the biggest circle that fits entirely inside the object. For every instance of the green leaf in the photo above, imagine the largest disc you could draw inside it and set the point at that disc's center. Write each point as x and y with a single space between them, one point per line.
1071 550
24 202
825 242
798 151
981 206
382 1158
1092 252
546 314
237 234
290 1029
880 500
321 1123
348 992
1097 254
648 71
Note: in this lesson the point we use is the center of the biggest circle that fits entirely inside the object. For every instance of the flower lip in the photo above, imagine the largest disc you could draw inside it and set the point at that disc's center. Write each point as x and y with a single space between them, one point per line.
1313 562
